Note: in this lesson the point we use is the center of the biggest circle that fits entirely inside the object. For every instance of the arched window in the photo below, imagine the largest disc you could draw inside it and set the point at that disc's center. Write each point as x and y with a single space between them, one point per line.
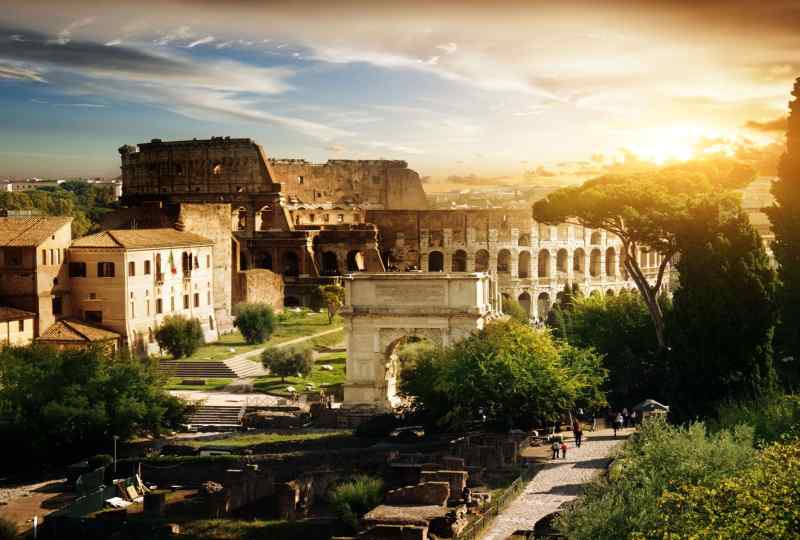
524 265
594 263
611 262
291 264
355 262
503 261
563 232
544 263
482 261
524 239
240 219
524 300
596 238
435 261
543 306
562 261
544 231
459 263
330 264
579 262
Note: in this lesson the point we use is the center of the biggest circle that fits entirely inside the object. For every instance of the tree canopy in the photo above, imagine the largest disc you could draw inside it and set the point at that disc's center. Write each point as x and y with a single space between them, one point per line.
255 321
333 298
179 335
510 371
645 210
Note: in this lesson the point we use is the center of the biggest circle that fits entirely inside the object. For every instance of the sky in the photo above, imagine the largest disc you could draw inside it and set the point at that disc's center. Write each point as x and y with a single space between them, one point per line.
470 87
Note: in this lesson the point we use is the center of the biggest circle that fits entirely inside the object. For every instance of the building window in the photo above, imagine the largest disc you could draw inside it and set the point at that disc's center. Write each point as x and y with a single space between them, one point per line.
52 257
196 262
171 304
208 298
93 316
57 305
340 218
185 301
208 261
133 311
147 268
216 170
21 326
376 180
105 269
196 299
132 268
326 218
211 322
44 256
147 307
58 256
300 180
159 306
92 296
77 269
312 218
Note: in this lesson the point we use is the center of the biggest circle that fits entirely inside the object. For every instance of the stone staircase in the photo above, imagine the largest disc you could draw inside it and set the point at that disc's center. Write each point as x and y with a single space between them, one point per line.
197 370
218 417
246 368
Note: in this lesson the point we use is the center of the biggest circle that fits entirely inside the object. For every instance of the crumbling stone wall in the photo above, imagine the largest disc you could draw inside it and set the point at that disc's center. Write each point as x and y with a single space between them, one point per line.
259 286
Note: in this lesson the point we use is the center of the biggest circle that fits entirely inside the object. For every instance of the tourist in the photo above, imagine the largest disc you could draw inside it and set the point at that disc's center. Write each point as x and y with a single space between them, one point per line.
594 421
577 431
633 418
618 422
563 450
555 447
625 417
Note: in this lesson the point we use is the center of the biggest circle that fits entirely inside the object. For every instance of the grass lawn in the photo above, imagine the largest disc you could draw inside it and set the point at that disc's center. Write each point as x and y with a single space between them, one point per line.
319 377
271 438
290 325
174 383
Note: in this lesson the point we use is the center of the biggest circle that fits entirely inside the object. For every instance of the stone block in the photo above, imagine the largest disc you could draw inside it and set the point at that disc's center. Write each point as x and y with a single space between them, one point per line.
395 532
456 479
426 493
452 463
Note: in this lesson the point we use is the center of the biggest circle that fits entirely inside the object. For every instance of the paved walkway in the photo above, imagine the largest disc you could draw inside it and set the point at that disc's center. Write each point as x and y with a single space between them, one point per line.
295 341
558 482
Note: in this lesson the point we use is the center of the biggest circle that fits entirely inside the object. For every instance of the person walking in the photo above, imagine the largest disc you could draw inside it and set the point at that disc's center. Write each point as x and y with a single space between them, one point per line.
618 421
577 431
634 417
625 417
563 450
555 447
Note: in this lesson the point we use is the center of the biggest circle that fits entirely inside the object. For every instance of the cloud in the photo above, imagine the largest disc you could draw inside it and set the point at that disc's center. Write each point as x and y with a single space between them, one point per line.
179 33
224 44
113 42
65 33
779 124
201 41
448 48
19 72
337 149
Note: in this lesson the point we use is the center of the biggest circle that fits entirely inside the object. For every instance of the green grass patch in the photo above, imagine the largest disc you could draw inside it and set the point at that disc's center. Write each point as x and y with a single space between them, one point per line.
174 383
271 438
289 326
320 377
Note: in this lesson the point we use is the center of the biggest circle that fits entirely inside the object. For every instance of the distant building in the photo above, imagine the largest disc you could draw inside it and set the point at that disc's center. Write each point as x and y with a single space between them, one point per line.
129 280
16 326
72 334
33 277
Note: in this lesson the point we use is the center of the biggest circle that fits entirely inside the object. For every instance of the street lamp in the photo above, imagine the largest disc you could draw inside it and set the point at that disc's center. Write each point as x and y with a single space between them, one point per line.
116 438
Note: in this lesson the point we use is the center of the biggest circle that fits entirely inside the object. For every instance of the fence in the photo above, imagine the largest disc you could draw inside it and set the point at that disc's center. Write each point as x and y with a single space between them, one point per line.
91 501
474 530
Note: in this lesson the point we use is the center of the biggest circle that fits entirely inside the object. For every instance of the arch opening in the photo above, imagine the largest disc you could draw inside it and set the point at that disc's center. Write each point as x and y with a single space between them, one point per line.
459 263
482 261
524 265
435 261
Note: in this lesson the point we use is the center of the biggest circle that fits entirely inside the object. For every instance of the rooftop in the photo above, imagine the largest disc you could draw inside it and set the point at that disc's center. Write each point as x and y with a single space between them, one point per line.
14 314
76 331
29 231
141 239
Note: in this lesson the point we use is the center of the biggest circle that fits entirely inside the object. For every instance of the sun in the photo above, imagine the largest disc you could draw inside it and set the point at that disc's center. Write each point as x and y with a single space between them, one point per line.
674 143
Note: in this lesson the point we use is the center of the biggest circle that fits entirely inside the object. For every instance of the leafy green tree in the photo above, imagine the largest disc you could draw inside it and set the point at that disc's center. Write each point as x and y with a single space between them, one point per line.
352 499
180 336
785 218
645 210
333 298
255 321
60 406
288 361
509 370
724 310
514 309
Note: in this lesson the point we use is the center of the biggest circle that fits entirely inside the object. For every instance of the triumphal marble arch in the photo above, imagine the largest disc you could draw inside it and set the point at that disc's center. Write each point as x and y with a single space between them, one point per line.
383 309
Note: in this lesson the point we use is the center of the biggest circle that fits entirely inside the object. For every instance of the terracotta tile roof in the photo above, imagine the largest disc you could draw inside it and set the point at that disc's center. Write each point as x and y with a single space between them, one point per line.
14 314
141 239
29 231
78 331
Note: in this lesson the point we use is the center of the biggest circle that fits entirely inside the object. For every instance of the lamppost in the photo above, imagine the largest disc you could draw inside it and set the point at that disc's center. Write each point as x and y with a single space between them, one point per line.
116 438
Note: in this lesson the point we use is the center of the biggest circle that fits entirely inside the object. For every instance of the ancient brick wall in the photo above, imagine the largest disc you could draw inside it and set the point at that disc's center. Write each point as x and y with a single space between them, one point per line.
259 285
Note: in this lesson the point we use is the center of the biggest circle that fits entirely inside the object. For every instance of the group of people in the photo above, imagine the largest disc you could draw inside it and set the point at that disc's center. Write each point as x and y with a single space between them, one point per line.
623 419
559 447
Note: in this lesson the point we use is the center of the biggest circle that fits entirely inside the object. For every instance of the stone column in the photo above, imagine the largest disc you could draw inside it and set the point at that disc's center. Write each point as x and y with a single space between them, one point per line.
447 258
553 266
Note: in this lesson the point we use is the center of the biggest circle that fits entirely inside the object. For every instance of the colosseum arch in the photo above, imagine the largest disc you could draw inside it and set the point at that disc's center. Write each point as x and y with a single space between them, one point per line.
563 232
329 263
544 231
524 265
503 261
543 306
610 292
384 309
594 263
356 261
264 218
524 240
459 261
264 261
544 263
435 261
239 219
611 262
524 300
482 260
562 261
579 262
596 238
291 263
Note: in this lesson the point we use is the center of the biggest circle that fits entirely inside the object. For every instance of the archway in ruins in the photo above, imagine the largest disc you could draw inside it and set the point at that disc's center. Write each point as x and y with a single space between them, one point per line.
385 310
482 261
330 264
543 306
525 301
459 263
355 261
435 261
399 356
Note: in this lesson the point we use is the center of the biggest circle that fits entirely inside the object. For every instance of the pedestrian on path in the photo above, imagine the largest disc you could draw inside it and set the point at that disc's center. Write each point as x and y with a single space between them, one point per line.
577 431
563 450
555 447
618 422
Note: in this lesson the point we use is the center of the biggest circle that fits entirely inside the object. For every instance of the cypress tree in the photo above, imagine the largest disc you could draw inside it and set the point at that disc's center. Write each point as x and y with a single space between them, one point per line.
785 218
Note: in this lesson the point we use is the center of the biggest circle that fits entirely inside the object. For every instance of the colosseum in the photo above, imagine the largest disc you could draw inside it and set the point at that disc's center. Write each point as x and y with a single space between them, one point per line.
313 222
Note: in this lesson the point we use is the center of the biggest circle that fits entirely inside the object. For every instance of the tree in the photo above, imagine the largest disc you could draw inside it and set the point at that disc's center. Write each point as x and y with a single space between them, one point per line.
785 218
179 335
255 321
333 297
60 406
513 372
287 361
514 309
724 310
644 210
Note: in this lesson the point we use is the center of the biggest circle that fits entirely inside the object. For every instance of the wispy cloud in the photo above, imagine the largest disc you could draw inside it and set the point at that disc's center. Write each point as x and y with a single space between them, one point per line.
19 72
201 41
113 42
776 125
64 36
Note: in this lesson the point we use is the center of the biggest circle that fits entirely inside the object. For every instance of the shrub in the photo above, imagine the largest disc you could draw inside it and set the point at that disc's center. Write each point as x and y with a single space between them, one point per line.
100 460
8 529
380 425
352 499
514 309
287 361
333 298
774 417
179 336
255 321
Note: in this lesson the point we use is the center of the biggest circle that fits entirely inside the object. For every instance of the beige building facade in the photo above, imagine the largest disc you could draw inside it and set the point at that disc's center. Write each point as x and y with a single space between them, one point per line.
130 280
16 327
383 310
